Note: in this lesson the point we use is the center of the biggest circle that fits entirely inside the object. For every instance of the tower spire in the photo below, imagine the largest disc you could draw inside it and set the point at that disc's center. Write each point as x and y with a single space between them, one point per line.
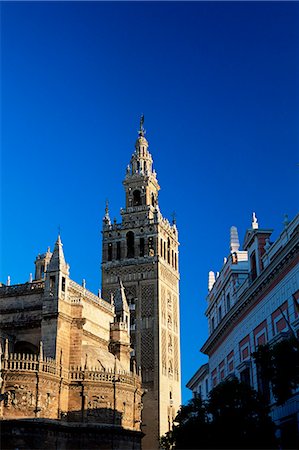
57 261
141 131
121 304
106 218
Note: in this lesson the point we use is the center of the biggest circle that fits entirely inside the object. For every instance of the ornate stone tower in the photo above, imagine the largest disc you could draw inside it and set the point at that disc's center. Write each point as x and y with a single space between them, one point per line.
143 251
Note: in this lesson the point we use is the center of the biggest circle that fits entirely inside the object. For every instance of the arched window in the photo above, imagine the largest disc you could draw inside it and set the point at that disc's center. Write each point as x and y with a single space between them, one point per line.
153 200
130 245
110 251
161 247
150 244
175 262
136 198
164 250
168 251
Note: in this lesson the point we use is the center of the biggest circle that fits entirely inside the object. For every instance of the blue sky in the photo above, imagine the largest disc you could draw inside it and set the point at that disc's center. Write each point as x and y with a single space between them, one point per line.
218 85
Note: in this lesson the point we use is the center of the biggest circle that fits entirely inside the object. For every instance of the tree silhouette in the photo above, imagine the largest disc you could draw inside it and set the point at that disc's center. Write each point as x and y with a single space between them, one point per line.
234 417
279 365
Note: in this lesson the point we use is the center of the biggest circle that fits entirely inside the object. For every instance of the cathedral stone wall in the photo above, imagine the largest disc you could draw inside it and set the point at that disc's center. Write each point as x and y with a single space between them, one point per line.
56 366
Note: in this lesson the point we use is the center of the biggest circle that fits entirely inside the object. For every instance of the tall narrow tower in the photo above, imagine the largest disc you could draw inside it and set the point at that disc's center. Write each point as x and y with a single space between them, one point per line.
143 251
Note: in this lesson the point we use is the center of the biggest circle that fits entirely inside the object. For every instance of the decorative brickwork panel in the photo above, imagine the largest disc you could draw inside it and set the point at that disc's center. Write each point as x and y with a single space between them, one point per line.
169 301
163 305
170 367
125 271
164 352
170 344
175 313
147 346
168 276
176 358
131 292
147 300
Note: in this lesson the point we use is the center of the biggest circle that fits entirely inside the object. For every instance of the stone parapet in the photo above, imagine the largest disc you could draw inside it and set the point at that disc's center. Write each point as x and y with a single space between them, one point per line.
85 294
33 387
22 289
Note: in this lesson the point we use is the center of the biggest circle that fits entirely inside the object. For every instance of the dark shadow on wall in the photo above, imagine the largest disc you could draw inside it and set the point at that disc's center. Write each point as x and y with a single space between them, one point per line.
96 431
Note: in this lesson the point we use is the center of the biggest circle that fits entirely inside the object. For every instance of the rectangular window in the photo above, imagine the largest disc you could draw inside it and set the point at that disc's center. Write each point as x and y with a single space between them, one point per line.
221 370
245 353
281 325
261 340
63 284
214 377
260 334
244 347
279 319
207 386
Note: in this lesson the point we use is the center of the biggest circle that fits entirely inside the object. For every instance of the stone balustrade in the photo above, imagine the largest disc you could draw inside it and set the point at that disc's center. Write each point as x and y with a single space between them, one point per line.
21 363
22 289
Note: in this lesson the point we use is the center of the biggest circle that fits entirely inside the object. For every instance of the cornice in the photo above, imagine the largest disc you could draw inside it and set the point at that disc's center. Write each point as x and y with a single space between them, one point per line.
284 258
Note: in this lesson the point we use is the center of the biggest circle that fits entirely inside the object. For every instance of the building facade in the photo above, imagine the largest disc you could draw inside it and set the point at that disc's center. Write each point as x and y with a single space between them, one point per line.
66 375
143 251
252 301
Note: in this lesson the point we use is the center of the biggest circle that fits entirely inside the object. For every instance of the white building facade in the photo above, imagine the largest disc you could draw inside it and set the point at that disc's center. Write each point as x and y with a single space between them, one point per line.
253 301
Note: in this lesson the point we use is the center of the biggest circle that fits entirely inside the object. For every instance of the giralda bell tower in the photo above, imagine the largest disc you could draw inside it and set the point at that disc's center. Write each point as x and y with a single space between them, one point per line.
143 251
